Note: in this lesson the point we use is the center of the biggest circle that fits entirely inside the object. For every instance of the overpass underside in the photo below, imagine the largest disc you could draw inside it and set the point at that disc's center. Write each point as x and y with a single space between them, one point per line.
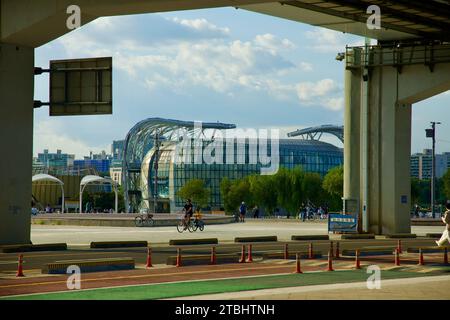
25 25
381 85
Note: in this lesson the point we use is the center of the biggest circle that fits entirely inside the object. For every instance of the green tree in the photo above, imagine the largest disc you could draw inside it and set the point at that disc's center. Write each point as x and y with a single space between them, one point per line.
446 184
312 186
284 188
234 192
333 182
263 191
195 190
415 191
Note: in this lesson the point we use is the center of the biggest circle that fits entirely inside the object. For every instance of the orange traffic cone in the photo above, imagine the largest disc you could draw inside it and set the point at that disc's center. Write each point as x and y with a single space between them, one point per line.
250 258
242 260
213 255
331 249
178 258
445 256
337 251
357 262
397 257
286 252
297 264
330 261
399 246
310 251
421 262
20 267
149 258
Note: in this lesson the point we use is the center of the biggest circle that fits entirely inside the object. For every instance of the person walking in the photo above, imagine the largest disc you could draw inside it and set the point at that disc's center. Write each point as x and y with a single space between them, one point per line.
446 219
256 212
242 211
416 210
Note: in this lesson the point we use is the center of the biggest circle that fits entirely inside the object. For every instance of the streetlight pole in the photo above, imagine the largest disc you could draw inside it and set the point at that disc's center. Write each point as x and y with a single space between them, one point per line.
431 133
155 195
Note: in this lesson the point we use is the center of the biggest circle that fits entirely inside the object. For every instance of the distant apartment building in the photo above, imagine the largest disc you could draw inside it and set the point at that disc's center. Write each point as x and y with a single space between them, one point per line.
421 164
99 165
117 149
115 171
55 161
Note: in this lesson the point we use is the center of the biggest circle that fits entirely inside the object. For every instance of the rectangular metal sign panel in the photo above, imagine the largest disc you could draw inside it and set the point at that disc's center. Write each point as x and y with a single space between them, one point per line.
342 223
81 86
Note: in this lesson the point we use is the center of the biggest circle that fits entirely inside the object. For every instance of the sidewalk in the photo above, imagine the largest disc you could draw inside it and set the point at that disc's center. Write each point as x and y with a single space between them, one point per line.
427 288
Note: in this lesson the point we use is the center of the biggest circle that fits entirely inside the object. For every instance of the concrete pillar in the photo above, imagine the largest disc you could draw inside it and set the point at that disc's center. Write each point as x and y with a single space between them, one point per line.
392 92
352 134
16 142
389 155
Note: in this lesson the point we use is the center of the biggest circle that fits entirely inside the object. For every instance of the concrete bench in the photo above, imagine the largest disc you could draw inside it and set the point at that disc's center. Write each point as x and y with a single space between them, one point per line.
256 239
89 265
185 242
118 244
434 235
33 247
428 249
401 235
311 237
203 259
358 236
370 251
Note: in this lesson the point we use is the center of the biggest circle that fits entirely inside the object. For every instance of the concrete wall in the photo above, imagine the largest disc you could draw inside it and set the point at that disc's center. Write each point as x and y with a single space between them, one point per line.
16 142
391 93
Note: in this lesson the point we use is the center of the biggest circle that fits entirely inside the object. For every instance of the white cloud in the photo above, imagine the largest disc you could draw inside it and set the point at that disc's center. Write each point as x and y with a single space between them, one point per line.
305 66
306 91
330 41
272 43
48 133
326 40
323 92
201 25
219 64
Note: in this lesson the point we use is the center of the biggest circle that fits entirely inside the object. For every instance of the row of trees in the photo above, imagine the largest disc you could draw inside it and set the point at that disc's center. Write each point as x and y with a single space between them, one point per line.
421 190
288 188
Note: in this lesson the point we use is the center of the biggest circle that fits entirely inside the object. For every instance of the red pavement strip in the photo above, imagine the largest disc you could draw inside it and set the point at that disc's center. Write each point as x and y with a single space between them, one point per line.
139 276
53 283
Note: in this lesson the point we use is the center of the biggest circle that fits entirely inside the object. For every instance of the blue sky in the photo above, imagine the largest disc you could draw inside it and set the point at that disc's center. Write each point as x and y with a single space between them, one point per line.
223 65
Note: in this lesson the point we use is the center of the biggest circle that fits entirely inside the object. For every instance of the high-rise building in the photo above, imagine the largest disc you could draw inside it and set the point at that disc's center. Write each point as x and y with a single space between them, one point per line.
56 161
99 165
117 149
115 171
421 164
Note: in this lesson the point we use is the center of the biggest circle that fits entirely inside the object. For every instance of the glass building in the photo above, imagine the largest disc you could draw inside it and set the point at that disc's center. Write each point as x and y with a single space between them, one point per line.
311 155
180 160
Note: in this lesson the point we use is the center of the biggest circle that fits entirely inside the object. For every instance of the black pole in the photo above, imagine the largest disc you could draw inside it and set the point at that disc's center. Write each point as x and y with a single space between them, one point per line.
433 168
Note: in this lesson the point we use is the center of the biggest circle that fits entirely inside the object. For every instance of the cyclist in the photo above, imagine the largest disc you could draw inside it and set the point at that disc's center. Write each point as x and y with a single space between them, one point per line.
188 212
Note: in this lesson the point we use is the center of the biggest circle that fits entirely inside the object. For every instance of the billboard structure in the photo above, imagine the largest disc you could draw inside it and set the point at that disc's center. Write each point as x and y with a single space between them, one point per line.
81 87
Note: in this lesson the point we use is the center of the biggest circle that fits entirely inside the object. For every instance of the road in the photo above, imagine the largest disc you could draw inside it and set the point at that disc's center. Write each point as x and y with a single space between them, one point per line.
283 229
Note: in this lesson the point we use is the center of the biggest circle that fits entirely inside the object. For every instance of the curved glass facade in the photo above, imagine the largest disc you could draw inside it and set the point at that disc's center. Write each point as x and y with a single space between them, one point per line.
312 155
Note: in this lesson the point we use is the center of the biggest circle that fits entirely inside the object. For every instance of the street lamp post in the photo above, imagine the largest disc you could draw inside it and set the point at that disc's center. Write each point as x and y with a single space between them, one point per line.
431 133
157 143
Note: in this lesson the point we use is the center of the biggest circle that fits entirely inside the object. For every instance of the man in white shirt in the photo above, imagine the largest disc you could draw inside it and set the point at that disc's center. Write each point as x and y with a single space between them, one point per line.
446 219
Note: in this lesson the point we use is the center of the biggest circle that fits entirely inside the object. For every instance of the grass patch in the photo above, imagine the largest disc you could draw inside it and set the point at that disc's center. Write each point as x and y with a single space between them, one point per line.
184 289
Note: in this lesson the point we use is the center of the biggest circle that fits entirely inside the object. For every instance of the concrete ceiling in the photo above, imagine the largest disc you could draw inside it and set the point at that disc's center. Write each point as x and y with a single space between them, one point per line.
400 19
34 23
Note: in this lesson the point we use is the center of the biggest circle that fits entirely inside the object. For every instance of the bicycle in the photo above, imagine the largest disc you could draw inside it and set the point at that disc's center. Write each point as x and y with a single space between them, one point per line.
182 226
198 224
145 219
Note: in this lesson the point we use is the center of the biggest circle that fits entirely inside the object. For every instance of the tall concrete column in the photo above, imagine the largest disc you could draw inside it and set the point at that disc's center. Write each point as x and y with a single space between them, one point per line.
392 92
389 155
352 134
16 142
